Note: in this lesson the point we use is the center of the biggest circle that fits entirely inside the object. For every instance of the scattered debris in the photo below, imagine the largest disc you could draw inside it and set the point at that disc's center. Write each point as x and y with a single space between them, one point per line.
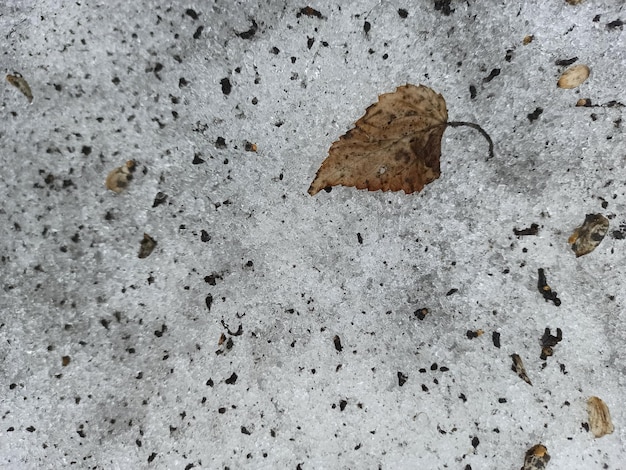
535 114
197 159
536 458
159 199
587 103
225 344
220 143
495 337
546 290
226 86
621 233
588 236
574 76
519 369
566 62
532 230
599 417
21 84
117 180
402 378
548 341
474 334
493 74
147 245
249 34
239 331
421 313
618 23
310 12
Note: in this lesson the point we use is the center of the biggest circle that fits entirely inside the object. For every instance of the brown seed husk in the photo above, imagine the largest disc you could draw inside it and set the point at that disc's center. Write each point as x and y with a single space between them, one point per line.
600 422
118 179
574 76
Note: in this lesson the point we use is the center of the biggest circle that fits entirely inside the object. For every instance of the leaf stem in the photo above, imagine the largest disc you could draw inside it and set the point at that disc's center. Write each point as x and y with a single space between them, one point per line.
478 128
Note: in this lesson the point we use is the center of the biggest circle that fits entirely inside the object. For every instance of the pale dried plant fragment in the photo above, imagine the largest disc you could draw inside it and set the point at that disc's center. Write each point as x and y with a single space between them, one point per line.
395 146
118 179
600 422
574 76
536 458
519 369
21 84
588 236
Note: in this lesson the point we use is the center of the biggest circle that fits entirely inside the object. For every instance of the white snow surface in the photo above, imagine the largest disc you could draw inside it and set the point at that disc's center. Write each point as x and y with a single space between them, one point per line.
109 361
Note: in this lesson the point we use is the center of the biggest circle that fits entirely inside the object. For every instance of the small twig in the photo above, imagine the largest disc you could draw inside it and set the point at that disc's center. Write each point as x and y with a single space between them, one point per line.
479 129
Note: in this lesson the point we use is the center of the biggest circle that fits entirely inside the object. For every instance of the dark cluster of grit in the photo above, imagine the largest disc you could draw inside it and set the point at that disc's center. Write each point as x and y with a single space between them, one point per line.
583 240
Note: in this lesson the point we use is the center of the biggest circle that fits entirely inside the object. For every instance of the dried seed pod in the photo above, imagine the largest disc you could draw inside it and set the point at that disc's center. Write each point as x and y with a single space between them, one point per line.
519 369
117 180
588 236
18 82
536 458
574 76
147 245
599 417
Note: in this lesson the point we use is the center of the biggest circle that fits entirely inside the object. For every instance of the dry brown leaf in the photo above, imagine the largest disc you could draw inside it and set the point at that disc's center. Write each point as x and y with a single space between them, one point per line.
395 146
